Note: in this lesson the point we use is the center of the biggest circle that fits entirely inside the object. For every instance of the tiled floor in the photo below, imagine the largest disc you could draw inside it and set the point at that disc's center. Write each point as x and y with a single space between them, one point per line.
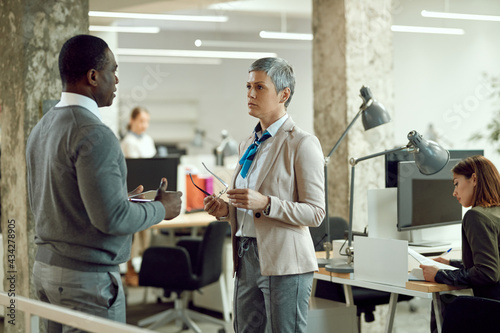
411 317
406 320
138 309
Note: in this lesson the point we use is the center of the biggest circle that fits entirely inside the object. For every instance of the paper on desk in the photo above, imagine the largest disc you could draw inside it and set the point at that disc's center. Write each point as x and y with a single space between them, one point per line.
417 274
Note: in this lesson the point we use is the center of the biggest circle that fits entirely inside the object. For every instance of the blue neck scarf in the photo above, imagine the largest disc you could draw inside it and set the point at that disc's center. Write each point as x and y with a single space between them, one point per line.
247 158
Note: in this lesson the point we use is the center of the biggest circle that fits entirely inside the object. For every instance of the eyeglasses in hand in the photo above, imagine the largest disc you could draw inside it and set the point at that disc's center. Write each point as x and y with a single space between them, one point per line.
224 190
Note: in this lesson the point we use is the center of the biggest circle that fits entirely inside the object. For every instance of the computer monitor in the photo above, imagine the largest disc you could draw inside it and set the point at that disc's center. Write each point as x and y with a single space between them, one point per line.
426 201
392 161
149 171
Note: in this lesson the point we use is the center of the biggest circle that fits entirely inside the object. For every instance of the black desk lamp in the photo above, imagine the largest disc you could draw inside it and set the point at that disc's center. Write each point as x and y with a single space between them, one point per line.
430 158
373 114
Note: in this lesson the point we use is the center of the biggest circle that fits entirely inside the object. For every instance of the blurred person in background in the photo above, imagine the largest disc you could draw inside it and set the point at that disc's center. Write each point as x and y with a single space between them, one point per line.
137 144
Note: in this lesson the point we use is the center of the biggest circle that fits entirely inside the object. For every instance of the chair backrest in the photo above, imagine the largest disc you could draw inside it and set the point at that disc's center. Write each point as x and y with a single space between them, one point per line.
209 265
338 226
472 314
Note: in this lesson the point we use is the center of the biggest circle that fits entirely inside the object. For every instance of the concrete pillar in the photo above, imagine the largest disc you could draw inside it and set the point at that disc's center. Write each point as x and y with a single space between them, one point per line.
32 33
352 47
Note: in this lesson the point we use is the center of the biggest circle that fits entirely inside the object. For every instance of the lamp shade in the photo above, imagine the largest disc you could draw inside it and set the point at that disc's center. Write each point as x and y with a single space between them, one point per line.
374 113
430 157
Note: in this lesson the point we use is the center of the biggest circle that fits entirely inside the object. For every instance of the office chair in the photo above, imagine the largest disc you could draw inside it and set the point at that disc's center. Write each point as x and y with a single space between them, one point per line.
467 314
364 299
188 266
338 227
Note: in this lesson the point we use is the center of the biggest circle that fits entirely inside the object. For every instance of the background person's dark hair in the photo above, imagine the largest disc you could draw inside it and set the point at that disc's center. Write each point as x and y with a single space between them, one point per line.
79 54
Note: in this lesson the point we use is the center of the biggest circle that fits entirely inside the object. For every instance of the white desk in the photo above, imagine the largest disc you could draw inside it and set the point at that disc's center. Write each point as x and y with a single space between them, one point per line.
413 288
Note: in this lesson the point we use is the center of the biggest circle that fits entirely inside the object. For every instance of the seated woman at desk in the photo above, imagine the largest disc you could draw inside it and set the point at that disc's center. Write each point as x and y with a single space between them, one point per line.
477 185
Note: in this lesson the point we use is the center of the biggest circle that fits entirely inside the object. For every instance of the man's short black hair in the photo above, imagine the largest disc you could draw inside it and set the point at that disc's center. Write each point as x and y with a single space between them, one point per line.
80 54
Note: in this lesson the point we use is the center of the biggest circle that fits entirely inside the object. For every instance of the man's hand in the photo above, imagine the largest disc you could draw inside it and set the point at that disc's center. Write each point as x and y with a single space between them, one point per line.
170 200
137 190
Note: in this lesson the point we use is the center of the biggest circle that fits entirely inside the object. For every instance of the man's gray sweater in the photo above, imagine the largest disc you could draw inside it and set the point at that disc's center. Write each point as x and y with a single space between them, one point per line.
78 193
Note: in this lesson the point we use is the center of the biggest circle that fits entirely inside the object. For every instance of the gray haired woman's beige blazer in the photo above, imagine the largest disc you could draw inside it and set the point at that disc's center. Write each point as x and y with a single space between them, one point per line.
293 178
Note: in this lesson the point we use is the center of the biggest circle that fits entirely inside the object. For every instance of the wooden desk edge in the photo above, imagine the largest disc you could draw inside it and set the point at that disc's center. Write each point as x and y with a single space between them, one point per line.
323 271
429 287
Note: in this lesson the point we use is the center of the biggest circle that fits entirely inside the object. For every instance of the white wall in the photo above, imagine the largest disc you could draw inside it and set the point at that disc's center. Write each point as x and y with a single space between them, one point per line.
439 78
219 90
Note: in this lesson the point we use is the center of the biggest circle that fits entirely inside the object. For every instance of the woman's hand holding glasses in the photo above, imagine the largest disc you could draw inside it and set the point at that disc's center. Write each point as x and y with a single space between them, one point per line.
215 206
212 203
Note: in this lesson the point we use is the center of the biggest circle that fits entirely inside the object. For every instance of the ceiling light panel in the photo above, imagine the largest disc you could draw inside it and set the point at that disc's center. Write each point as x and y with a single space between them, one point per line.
112 28
194 53
164 17
285 35
427 30
458 16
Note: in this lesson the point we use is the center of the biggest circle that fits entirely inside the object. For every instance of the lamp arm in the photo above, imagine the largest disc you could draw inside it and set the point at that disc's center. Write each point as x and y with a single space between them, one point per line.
353 161
361 109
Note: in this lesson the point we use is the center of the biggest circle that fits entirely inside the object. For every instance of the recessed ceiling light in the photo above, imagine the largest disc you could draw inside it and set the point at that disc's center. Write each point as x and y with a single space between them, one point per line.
194 53
194 18
250 45
427 30
114 28
458 16
168 60
285 35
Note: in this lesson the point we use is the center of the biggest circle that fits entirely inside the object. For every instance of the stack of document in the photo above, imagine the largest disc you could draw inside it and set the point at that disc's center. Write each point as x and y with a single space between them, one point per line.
417 274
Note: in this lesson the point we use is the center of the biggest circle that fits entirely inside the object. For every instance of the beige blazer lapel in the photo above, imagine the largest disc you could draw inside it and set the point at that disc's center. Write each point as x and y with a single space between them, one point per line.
278 140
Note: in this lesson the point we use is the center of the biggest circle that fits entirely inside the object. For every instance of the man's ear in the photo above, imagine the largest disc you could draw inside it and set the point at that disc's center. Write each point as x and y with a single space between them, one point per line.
92 77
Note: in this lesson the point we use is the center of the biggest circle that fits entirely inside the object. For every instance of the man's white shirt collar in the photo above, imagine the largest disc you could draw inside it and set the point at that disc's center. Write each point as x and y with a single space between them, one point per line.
68 99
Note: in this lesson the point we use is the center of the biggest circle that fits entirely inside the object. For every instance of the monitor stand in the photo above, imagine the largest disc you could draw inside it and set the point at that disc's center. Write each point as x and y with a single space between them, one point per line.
416 240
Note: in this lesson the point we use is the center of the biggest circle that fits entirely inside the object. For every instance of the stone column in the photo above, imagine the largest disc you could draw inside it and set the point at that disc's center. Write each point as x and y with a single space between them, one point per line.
352 47
32 33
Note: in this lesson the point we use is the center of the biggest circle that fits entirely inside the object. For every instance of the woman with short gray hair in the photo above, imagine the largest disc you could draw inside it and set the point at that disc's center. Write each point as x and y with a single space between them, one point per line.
277 193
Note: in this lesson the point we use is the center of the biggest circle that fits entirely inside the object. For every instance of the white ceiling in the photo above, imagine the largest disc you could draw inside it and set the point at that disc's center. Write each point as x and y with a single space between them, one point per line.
149 6
289 7
244 15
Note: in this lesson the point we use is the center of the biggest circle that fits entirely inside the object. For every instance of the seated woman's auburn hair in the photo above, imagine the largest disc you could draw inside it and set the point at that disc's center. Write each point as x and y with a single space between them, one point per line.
487 190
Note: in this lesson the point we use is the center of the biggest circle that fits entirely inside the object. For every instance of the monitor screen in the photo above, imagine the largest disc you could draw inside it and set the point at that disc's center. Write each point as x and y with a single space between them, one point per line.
149 171
426 201
392 161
